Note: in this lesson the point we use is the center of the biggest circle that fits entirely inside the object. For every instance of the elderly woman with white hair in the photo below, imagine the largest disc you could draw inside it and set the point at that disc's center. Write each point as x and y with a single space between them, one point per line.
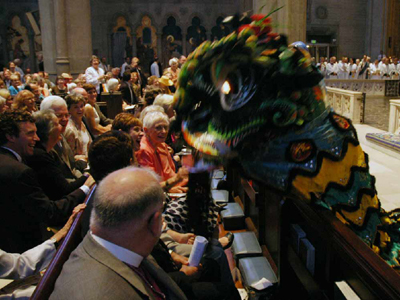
45 161
167 103
173 71
155 155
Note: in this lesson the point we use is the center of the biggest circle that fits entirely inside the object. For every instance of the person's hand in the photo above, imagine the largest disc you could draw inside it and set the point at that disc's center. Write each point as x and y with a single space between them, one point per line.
77 209
183 173
179 259
89 182
178 189
187 238
190 271
63 231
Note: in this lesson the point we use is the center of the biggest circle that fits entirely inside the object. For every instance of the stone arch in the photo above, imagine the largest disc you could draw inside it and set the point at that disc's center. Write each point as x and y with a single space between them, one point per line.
196 32
219 30
122 38
146 41
172 39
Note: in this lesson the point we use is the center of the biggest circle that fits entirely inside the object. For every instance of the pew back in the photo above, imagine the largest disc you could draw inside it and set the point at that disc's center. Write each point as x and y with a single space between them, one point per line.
71 241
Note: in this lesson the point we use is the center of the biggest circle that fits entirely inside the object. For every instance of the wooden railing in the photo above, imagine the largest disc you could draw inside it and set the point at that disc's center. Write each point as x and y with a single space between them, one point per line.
46 285
339 254
347 103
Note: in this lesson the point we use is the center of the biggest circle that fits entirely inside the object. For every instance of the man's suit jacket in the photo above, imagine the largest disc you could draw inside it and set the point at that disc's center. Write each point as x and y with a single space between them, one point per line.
128 95
24 208
49 170
71 169
92 272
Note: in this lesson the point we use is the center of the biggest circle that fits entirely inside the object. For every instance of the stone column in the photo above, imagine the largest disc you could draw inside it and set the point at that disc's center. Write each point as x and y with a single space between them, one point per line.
159 45
79 35
66 36
60 22
292 18
184 44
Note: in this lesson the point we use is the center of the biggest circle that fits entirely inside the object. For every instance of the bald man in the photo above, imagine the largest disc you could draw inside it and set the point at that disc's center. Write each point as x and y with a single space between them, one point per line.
113 261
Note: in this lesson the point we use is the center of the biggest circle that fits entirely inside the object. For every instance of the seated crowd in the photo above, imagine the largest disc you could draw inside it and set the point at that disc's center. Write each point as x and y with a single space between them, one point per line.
348 68
56 145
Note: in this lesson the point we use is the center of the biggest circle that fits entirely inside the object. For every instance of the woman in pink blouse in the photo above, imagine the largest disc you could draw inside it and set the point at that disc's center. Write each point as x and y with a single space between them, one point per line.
154 153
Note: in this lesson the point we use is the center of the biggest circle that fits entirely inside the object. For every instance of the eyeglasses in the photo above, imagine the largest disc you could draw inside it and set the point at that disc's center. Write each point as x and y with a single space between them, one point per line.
92 92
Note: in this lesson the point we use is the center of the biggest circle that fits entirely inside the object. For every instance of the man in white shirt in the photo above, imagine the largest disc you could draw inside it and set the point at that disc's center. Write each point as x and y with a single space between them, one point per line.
125 65
343 69
113 261
384 68
154 68
332 69
393 69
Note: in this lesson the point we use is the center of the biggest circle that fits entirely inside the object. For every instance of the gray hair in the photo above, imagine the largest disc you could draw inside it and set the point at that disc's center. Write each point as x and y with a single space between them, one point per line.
164 100
44 120
112 208
173 60
153 117
2 101
51 102
149 109
112 84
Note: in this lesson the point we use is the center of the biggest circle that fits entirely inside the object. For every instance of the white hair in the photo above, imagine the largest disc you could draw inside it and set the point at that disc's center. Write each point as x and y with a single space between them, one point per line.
2 101
51 102
164 100
112 84
149 109
173 61
153 117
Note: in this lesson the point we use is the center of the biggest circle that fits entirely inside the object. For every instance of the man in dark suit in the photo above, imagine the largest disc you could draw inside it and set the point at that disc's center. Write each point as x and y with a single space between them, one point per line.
25 211
126 89
113 261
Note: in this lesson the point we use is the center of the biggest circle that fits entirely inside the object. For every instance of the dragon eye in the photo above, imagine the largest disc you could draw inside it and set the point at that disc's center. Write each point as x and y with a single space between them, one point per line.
237 90
226 88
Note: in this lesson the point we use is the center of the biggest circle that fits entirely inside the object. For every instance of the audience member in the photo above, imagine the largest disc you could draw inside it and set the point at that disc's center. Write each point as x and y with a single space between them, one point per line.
113 261
95 75
24 100
71 169
6 95
126 88
60 89
45 161
76 133
25 210
154 153
32 262
92 113
15 86
126 122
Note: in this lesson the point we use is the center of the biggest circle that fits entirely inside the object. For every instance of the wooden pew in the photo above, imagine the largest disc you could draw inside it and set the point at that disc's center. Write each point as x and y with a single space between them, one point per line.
339 254
71 241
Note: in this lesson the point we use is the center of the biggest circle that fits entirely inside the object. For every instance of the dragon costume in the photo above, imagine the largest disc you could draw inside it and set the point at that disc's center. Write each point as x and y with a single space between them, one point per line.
252 98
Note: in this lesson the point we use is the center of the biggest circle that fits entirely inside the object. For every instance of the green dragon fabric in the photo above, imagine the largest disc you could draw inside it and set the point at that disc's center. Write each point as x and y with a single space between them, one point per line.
251 98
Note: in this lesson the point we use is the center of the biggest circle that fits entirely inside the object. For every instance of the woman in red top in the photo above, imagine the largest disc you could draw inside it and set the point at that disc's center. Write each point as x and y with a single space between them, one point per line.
154 153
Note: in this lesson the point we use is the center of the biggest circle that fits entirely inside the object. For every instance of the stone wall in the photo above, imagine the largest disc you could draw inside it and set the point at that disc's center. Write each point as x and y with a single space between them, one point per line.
9 9
105 13
344 20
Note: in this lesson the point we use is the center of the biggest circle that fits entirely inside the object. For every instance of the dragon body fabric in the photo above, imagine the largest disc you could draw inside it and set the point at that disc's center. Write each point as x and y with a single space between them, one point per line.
252 98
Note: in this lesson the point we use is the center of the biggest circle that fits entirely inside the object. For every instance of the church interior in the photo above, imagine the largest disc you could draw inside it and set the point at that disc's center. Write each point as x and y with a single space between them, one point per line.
231 149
